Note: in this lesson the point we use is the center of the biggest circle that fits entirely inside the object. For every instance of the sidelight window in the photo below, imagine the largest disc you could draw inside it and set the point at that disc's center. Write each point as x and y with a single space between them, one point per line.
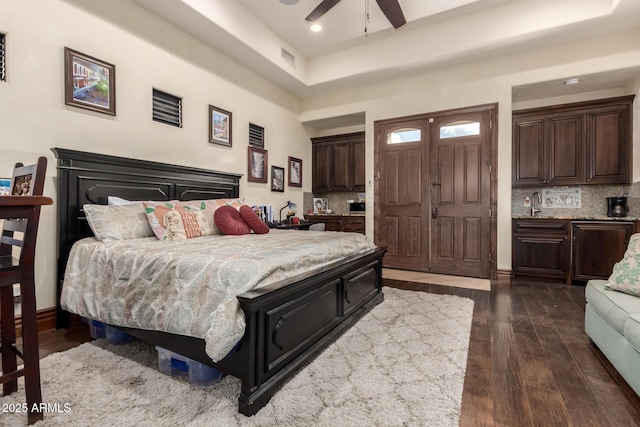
459 129
402 136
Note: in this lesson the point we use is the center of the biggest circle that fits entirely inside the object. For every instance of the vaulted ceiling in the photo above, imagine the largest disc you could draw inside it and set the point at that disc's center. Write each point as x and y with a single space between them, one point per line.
274 40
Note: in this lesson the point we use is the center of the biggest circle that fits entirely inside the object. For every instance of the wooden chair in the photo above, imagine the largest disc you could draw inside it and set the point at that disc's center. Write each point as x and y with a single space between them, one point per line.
21 214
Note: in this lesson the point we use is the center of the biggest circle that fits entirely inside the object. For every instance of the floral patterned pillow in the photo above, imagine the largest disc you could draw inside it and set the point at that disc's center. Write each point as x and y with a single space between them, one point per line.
176 219
626 273
118 222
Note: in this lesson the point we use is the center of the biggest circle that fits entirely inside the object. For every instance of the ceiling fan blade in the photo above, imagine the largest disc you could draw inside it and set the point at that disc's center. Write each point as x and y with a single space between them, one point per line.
393 12
324 7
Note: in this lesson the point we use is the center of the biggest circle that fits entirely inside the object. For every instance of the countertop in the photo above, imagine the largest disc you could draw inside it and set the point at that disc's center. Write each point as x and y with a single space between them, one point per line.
335 214
580 218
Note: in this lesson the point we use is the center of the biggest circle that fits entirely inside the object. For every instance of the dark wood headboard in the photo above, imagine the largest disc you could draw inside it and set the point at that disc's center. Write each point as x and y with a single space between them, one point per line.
90 178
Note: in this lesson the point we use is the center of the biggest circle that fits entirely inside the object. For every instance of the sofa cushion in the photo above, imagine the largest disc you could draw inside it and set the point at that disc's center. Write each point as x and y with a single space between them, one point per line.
613 306
632 331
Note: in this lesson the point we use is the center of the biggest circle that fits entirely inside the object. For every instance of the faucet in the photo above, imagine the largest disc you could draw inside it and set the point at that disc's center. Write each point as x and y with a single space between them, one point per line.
535 197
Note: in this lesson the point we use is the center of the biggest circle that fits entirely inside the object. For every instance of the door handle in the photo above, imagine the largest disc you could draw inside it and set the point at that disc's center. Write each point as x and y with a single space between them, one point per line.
434 213
436 184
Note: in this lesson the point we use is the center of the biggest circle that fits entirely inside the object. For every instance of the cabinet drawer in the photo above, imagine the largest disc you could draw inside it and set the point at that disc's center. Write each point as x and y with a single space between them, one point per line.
541 226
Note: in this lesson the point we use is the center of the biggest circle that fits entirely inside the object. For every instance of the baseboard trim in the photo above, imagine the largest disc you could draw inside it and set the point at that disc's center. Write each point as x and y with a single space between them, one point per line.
46 319
504 275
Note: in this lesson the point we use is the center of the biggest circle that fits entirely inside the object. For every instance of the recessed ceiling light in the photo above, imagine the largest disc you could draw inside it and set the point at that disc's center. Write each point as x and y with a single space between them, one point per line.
315 27
571 82
289 2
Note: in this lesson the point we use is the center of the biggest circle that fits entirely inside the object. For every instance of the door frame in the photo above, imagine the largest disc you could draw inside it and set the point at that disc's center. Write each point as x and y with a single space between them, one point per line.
493 176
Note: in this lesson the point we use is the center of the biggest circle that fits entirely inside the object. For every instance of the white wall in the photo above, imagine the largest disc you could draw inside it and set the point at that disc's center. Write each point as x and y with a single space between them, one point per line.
147 52
482 82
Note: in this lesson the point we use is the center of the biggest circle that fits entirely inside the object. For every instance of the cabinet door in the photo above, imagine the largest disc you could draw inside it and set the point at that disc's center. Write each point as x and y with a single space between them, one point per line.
565 159
322 165
541 247
354 224
342 172
358 164
528 151
608 145
597 246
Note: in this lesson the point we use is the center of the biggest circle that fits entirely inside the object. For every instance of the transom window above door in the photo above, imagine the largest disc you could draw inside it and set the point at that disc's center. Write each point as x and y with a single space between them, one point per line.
459 129
402 136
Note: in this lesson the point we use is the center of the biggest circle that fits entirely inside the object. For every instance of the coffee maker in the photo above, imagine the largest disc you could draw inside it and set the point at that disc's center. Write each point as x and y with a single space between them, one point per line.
617 206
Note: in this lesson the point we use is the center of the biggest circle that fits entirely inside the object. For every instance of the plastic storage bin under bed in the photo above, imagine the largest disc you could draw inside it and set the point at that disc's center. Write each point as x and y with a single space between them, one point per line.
174 364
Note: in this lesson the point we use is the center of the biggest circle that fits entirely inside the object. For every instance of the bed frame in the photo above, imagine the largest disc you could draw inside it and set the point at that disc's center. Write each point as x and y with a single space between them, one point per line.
288 324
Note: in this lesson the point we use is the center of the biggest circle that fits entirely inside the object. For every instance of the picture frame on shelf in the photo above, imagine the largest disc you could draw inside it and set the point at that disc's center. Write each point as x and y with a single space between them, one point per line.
257 165
295 172
90 83
5 186
277 179
220 126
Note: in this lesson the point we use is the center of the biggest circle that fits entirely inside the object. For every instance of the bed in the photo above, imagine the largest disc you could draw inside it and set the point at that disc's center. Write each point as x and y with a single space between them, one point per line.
288 321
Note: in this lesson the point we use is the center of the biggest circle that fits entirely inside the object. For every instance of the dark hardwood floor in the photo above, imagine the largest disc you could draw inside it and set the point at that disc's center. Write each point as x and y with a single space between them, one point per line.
530 362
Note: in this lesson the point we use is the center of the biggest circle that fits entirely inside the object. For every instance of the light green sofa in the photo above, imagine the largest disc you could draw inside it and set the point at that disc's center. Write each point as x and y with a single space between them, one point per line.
612 321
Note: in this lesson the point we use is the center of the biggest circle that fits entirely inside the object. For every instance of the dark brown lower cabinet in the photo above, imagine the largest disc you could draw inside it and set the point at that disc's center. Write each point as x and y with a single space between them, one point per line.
541 248
597 245
349 223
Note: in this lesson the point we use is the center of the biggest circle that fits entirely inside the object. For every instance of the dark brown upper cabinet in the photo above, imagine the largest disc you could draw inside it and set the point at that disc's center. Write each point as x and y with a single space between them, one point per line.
573 144
338 163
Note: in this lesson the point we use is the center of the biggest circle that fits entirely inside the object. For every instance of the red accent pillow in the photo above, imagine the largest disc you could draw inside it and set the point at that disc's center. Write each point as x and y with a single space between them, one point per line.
229 221
250 217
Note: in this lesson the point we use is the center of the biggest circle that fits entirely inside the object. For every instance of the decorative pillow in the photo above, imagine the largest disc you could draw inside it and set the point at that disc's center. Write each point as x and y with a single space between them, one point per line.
229 221
626 273
157 210
249 216
183 224
118 222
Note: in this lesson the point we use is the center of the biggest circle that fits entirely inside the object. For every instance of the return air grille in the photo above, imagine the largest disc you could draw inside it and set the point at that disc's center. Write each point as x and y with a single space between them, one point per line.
167 108
3 62
256 135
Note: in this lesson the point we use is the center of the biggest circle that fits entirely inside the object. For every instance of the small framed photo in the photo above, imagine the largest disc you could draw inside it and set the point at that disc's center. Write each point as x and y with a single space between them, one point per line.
257 165
277 179
89 82
5 186
219 126
295 172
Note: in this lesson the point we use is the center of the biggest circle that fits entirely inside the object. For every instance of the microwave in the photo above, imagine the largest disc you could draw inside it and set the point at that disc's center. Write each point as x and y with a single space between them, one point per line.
357 207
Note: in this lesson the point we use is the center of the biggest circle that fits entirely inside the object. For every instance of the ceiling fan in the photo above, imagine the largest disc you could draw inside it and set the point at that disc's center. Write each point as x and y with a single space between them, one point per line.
390 8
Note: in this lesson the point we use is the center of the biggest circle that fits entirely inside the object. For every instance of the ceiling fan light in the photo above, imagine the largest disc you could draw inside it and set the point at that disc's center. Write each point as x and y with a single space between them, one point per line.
315 27
289 2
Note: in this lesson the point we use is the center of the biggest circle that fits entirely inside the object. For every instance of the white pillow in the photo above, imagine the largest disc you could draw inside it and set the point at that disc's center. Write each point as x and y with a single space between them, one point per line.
118 201
118 222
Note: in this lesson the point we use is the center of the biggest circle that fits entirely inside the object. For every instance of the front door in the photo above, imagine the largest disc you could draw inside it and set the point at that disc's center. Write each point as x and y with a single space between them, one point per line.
460 194
434 187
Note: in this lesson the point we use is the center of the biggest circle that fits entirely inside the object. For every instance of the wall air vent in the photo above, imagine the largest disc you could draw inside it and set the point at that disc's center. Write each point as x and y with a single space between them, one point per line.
3 61
256 135
167 108
288 56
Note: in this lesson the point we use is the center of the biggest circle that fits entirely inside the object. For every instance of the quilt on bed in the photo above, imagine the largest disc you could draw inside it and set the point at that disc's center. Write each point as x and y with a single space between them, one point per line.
189 287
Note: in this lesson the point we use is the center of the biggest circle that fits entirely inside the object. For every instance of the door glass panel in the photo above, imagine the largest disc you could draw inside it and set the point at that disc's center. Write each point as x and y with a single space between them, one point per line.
459 129
402 136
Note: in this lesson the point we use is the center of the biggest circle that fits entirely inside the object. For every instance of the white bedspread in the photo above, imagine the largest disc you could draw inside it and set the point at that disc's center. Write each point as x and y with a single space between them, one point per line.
189 287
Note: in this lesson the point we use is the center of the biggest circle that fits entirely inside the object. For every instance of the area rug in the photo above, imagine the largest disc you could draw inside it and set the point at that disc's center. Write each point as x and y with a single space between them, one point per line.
437 279
401 364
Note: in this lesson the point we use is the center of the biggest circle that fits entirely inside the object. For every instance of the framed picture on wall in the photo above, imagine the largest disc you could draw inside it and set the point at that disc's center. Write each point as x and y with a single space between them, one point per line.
89 82
219 126
257 165
295 172
277 179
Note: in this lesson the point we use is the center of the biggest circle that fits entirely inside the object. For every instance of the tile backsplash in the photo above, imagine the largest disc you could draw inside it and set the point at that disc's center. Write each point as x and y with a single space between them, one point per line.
593 201
337 201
